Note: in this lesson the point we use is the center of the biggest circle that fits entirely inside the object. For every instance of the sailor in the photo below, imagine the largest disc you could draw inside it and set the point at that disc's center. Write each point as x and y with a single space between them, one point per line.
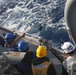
10 43
41 65
11 40
69 64
24 66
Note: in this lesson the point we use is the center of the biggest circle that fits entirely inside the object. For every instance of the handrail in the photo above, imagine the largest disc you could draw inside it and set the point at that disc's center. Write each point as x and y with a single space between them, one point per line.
27 37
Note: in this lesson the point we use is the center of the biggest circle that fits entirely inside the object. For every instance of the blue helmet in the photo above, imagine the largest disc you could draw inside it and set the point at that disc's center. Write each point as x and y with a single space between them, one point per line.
22 46
9 37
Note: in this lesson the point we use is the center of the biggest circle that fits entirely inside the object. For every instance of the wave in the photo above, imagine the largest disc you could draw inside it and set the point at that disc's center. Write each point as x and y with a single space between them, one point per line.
43 18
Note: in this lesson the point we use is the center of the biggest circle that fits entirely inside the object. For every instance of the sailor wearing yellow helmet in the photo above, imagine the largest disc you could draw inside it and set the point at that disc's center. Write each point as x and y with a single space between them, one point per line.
41 65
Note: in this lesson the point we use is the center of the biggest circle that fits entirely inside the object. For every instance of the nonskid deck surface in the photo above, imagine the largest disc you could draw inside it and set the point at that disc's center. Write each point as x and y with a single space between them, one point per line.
33 47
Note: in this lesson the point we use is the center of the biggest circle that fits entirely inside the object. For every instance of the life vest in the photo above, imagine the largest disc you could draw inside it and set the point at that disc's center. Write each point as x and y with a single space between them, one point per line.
70 65
40 69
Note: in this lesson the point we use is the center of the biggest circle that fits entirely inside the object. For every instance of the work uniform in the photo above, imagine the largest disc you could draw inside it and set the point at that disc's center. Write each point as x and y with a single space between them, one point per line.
70 65
24 66
42 66
11 48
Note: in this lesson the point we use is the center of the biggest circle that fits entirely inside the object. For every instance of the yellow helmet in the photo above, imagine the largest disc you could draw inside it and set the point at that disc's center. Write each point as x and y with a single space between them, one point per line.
41 52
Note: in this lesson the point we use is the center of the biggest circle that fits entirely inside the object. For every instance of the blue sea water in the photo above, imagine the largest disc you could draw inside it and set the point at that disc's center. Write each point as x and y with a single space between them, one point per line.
43 18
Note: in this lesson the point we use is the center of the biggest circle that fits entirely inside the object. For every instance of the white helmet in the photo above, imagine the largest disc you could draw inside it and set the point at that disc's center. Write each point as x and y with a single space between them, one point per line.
68 47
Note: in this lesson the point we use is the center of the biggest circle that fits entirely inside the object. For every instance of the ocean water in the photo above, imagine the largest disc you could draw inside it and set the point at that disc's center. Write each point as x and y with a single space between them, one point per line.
43 18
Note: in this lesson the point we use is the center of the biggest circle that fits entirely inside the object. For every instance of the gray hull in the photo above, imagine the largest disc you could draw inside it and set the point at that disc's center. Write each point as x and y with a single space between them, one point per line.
70 17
